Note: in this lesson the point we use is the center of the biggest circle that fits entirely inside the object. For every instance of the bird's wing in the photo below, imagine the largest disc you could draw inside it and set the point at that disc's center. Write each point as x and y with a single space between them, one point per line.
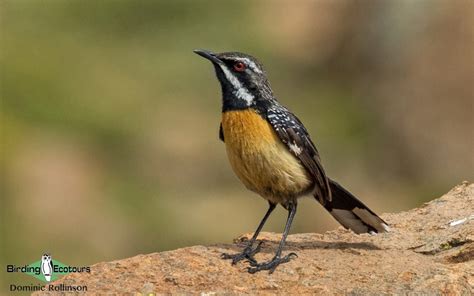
295 136
221 133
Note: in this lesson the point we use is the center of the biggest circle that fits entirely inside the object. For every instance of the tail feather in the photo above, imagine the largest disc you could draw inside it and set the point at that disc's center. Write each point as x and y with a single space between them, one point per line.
352 213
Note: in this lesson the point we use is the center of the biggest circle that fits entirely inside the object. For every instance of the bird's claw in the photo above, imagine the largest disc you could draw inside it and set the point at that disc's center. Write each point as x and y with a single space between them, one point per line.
247 253
270 265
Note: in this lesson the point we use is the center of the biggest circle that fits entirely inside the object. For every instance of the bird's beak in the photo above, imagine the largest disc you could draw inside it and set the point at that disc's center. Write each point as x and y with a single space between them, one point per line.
208 55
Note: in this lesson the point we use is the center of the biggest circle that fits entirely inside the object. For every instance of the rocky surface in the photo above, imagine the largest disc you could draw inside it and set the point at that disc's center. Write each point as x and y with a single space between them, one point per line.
430 250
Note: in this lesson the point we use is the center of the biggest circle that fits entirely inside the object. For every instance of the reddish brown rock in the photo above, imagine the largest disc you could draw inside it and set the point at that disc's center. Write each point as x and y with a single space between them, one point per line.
430 250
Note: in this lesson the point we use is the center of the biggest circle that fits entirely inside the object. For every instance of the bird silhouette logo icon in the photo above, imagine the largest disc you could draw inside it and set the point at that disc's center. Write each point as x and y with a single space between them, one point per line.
46 267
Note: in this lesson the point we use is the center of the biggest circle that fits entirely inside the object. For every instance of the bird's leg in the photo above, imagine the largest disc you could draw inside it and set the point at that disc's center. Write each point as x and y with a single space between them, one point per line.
248 252
277 259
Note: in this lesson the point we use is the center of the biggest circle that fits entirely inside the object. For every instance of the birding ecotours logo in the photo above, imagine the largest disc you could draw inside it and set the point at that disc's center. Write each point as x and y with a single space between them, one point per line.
46 269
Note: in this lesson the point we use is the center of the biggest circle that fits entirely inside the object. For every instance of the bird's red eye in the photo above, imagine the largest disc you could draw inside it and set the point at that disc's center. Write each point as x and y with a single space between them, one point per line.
239 66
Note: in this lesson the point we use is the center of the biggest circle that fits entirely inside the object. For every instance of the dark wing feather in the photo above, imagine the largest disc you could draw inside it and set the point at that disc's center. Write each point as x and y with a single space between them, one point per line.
221 133
295 136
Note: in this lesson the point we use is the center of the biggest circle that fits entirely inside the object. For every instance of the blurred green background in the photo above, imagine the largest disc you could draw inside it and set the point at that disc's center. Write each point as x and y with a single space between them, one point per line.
110 122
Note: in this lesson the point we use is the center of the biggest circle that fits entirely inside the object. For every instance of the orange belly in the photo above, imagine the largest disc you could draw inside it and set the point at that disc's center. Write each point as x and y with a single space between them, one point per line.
260 160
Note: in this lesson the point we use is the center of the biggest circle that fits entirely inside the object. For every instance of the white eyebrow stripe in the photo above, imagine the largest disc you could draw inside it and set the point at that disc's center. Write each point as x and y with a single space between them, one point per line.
240 91
250 63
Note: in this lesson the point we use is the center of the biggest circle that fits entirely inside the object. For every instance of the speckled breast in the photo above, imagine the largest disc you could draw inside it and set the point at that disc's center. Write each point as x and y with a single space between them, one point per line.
260 160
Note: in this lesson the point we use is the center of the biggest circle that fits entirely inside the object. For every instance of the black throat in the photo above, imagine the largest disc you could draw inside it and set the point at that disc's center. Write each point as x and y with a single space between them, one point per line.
261 92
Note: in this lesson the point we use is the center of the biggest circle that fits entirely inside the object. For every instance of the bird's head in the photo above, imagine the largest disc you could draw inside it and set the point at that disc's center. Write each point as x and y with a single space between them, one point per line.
46 258
242 78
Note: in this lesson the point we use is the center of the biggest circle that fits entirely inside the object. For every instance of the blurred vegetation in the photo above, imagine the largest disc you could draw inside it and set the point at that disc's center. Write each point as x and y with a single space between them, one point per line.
110 123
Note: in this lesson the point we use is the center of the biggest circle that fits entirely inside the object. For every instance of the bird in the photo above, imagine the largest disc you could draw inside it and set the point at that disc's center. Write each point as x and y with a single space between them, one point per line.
272 154
46 267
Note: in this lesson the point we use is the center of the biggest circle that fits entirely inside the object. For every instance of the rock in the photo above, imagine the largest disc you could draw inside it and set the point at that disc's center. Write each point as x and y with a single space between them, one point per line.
430 250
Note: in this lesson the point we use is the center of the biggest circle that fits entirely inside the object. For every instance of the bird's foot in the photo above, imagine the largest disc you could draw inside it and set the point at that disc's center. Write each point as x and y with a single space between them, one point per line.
270 265
247 253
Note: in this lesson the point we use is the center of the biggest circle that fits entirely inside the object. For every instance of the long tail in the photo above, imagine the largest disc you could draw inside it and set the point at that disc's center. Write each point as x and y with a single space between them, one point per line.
352 213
